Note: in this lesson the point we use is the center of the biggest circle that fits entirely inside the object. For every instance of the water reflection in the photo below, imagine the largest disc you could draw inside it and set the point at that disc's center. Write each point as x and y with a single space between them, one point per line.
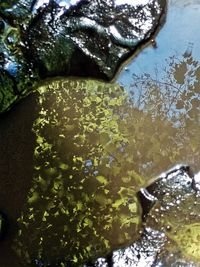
83 199
171 232
165 83
173 96
96 146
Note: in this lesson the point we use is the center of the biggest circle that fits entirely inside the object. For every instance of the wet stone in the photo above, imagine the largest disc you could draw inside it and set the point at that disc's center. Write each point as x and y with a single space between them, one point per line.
86 38
76 196
171 226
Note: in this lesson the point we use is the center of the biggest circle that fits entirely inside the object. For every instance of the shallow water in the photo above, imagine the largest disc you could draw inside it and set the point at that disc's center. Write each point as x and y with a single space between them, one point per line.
164 82
83 195
151 125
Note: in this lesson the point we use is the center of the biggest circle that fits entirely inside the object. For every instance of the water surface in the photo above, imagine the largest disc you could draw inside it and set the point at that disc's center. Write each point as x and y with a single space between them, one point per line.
93 150
164 82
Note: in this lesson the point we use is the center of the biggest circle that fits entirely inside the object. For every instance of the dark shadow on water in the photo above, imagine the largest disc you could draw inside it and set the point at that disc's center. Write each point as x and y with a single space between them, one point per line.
17 144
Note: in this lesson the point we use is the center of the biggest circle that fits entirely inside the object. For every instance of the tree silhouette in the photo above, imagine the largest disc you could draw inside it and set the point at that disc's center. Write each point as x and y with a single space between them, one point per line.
83 199
173 94
97 145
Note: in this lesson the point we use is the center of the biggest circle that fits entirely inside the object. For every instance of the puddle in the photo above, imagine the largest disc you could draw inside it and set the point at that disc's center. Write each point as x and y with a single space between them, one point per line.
83 196
41 39
127 134
164 83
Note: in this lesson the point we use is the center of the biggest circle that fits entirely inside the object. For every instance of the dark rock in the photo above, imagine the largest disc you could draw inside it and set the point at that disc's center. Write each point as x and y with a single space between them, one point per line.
103 30
171 227
16 74
90 38
170 223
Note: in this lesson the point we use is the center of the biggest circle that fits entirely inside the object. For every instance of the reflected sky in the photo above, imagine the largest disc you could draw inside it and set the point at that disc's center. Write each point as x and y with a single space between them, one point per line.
178 34
108 139
164 81
83 197
94 150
